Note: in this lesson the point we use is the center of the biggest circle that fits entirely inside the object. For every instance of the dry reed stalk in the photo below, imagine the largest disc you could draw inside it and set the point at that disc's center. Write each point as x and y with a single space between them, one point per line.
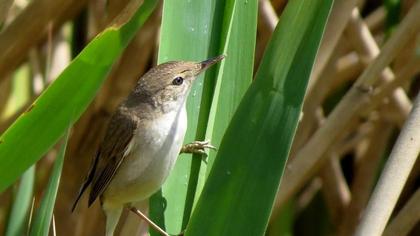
338 187
367 162
406 218
353 140
375 20
4 8
339 16
30 26
317 95
346 68
308 194
5 89
357 101
364 42
268 14
333 74
279 5
34 58
393 177
267 21
334 188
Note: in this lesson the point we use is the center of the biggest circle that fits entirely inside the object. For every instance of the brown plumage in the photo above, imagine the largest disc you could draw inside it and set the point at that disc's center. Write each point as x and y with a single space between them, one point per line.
108 157
143 139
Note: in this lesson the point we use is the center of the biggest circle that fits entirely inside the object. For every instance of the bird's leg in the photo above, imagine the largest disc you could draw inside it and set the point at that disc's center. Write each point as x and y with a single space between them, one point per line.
112 216
149 221
197 147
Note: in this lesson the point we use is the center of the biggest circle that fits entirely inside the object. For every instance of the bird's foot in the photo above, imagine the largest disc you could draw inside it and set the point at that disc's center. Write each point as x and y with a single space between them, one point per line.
197 147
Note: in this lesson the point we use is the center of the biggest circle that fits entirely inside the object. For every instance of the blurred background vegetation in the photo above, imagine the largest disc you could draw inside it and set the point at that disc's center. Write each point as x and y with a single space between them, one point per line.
355 96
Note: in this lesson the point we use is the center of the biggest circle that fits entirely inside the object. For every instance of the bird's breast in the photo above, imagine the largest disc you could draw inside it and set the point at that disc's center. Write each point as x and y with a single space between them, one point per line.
150 158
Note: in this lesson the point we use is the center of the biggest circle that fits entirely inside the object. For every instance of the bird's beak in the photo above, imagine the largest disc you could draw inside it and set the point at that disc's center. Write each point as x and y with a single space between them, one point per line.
209 62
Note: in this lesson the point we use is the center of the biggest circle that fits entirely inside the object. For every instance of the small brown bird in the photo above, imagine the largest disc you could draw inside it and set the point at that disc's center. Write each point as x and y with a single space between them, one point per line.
143 139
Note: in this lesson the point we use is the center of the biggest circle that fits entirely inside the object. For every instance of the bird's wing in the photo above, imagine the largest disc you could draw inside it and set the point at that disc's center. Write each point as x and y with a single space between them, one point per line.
86 182
111 153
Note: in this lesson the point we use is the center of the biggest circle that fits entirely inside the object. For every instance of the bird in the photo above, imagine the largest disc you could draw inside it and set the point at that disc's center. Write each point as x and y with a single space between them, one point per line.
143 139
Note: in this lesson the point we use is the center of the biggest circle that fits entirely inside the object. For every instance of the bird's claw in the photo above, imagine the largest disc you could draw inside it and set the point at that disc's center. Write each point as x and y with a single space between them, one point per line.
197 147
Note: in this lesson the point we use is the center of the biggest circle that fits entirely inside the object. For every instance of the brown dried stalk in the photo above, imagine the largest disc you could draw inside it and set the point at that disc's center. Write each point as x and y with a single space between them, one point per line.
407 218
394 176
364 178
358 100
339 17
364 42
30 26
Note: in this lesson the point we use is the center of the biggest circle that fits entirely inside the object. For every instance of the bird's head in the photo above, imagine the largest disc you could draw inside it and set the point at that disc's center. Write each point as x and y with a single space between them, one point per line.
169 84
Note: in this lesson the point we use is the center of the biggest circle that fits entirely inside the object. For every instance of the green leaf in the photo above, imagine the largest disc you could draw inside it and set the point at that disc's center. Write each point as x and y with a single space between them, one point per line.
239 193
233 78
18 219
213 29
42 219
236 71
64 101
187 33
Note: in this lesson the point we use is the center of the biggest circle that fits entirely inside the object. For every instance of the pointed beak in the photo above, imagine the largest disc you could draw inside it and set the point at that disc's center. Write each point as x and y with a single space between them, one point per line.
209 62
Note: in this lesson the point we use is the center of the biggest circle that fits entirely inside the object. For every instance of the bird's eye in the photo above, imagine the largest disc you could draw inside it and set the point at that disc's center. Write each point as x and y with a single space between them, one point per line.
178 81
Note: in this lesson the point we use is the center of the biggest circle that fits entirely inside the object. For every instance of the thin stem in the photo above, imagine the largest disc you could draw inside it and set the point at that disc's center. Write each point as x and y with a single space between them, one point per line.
393 177
145 218
407 218
310 158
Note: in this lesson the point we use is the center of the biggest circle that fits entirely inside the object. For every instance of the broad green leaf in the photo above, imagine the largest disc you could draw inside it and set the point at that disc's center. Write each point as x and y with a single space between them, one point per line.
236 71
18 219
238 24
189 32
239 193
62 103
197 173
237 42
41 221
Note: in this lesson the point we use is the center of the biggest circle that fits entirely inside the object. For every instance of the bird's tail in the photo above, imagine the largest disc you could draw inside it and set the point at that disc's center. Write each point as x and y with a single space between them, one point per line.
79 195
86 182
